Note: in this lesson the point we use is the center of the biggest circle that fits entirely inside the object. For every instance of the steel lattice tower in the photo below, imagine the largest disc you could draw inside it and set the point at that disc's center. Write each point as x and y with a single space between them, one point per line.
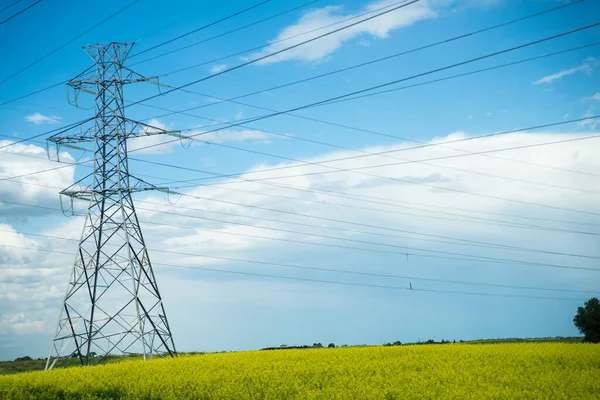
112 304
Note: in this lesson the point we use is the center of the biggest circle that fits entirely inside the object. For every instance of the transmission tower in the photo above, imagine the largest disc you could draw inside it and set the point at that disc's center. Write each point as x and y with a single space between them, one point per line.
112 304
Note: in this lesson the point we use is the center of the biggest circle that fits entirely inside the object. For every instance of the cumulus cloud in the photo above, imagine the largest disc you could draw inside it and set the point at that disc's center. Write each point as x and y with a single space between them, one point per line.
38 189
235 136
238 220
587 67
20 323
163 144
318 50
153 144
31 281
38 119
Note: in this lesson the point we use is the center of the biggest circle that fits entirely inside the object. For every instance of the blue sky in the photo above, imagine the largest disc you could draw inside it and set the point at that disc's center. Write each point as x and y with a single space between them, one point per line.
219 311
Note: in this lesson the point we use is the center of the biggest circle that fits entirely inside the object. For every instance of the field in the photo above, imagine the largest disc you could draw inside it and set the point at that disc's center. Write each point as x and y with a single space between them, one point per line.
449 371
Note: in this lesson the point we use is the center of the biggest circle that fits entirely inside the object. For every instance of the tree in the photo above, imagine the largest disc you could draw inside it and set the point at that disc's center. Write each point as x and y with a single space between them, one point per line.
587 320
331 345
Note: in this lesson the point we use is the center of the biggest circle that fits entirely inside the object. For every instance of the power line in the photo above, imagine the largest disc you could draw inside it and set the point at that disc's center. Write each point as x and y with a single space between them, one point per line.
322 280
367 154
62 46
445 254
337 23
369 199
271 42
325 101
389 57
354 170
184 267
427 145
415 141
394 276
457 64
370 285
406 181
275 53
73 125
10 5
390 178
406 3
374 200
465 242
451 240
341 271
478 220
33 93
214 37
304 33
471 257
303 189
320 163
18 13
201 28
438 253
362 130
356 197
385 134
422 184
224 33
62 162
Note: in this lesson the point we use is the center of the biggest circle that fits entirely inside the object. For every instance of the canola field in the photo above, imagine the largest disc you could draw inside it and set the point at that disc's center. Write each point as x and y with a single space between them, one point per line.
450 371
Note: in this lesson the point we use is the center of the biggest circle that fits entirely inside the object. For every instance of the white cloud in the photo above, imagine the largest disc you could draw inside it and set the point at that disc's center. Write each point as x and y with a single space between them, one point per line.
215 69
138 145
587 67
462 4
596 96
363 43
233 136
38 119
14 255
318 50
20 323
155 125
32 282
21 159
591 123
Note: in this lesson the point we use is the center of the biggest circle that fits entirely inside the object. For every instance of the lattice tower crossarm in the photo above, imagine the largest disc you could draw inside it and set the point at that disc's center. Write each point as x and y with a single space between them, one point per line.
112 304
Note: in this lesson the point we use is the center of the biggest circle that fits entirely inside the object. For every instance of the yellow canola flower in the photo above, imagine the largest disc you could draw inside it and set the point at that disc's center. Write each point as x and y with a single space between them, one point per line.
449 371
